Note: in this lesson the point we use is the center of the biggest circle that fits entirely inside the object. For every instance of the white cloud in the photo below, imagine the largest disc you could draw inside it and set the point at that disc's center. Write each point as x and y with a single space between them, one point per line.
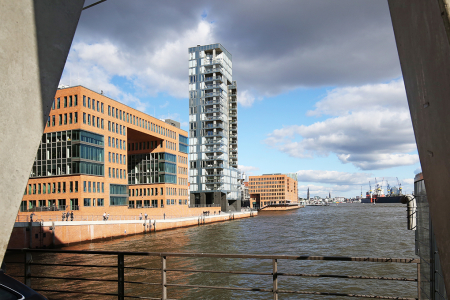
248 170
373 135
409 181
245 98
333 177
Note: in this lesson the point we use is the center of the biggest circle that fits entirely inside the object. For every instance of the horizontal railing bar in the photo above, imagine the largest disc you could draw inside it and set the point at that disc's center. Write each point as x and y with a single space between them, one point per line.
142 268
346 276
73 278
75 292
69 265
290 292
343 295
220 287
143 297
214 255
143 283
220 272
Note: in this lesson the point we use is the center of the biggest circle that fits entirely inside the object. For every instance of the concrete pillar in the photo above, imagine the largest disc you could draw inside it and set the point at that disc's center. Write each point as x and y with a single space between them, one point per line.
422 36
35 38
192 200
224 203
202 199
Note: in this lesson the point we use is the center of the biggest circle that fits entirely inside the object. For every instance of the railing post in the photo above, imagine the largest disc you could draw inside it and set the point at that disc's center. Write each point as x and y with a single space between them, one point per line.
163 278
121 276
418 281
27 278
275 280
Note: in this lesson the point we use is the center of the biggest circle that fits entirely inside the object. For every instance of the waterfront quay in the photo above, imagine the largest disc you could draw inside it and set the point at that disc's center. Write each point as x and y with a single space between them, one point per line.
45 234
215 256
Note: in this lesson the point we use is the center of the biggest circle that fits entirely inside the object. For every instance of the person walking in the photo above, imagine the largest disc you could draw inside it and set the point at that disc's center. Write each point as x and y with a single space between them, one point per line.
31 217
104 216
67 216
63 216
140 216
145 215
71 215
107 217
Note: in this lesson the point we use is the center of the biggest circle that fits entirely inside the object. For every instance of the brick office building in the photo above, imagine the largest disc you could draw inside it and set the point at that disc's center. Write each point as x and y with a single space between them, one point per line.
98 155
273 190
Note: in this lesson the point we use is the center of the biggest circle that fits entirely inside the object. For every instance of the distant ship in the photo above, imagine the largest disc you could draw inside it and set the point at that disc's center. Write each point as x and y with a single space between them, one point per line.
394 194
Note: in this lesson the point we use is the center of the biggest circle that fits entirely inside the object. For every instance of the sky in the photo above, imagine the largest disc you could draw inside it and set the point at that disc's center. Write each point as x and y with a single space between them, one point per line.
320 88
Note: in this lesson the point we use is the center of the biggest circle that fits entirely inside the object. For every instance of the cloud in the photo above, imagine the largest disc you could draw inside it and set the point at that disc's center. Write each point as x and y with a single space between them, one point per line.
248 170
372 136
245 98
333 177
164 105
323 191
276 46
409 181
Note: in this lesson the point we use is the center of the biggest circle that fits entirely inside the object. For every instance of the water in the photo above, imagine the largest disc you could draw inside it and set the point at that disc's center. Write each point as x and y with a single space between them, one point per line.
344 230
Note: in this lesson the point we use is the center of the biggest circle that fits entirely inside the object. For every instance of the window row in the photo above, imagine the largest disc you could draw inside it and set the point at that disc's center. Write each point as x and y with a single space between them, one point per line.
93 202
145 192
116 143
63 119
132 119
171 146
116 128
49 205
144 203
117 173
93 187
182 181
174 201
91 103
144 145
182 170
68 101
96 121
51 188
182 160
117 158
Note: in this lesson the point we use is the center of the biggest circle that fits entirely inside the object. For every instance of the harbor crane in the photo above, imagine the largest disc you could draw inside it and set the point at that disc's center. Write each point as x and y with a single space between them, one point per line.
399 187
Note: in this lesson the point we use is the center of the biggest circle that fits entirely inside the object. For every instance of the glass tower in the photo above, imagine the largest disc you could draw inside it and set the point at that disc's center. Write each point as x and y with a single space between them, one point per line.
213 151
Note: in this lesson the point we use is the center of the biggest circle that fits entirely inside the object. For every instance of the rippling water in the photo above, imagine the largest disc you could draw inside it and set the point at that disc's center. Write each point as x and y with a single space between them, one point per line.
343 230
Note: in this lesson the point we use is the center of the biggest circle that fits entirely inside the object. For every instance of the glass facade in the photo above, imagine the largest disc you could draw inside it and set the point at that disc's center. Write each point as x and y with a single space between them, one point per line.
69 152
152 168
118 194
212 122
183 144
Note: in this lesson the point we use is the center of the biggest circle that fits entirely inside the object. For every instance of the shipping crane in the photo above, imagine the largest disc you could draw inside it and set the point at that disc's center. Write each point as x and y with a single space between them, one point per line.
388 188
399 187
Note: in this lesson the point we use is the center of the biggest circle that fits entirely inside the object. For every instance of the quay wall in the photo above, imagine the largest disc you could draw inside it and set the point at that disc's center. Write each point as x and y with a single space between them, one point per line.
58 233
281 208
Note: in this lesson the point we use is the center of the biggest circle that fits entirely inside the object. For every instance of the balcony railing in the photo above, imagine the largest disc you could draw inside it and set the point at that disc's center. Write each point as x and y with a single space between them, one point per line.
213 78
148 275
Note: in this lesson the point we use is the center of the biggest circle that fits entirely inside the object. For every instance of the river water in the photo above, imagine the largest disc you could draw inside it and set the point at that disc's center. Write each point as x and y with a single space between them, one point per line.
362 230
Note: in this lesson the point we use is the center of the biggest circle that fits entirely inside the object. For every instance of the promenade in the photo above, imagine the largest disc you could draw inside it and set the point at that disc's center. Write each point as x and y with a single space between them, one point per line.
45 234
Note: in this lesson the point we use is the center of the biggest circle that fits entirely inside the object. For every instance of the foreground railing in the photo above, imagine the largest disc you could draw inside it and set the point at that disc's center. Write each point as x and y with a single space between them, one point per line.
129 267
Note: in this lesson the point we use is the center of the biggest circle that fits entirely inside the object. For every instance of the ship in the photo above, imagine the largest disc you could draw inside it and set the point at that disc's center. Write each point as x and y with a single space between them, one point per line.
393 194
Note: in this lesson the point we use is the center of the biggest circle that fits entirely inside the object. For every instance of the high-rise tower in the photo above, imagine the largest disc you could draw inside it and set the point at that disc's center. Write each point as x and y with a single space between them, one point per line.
213 151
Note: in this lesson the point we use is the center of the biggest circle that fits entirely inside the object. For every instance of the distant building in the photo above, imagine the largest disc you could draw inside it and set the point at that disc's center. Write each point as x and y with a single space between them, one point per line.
270 189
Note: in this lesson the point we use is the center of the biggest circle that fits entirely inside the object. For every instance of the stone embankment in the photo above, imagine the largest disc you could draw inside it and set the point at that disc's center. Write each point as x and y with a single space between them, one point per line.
58 233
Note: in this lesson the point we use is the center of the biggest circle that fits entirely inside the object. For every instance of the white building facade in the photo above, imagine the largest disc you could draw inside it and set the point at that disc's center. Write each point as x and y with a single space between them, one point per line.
213 133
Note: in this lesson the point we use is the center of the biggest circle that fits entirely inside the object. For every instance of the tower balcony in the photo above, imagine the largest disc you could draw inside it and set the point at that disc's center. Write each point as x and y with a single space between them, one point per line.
214 78
213 166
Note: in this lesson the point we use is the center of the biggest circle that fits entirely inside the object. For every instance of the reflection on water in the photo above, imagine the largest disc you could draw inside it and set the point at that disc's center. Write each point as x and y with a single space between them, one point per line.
344 230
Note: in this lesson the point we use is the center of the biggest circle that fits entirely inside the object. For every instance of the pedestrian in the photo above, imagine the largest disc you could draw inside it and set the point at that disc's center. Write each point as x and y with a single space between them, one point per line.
107 217
71 215
31 217
140 216
67 216
146 216
164 216
63 216
104 216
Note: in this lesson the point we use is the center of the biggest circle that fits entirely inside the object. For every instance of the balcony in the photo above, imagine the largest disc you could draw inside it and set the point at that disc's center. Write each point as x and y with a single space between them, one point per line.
215 149
214 166
212 102
213 70
213 126
214 78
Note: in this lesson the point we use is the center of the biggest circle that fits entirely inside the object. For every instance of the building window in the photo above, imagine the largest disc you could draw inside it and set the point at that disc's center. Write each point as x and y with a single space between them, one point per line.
65 101
75 118
58 103
75 102
87 201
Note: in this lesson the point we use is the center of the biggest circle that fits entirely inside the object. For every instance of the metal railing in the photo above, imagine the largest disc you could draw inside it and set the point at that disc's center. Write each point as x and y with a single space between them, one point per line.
56 269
